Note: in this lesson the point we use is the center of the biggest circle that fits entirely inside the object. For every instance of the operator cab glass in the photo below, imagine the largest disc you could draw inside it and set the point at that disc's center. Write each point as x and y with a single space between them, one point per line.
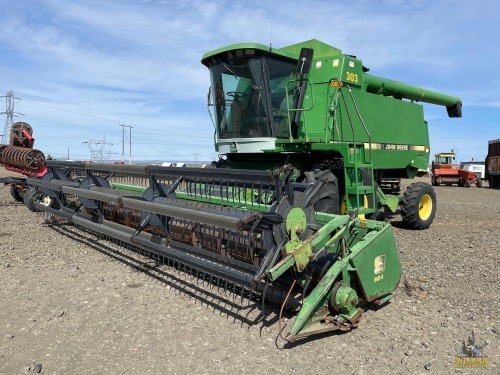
444 159
249 96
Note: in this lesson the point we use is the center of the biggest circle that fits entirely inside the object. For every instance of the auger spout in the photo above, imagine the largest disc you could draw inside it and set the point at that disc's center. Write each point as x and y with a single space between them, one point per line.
399 90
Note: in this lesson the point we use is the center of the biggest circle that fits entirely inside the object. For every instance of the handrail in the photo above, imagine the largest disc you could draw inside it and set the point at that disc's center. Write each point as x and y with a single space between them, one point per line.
289 110
362 121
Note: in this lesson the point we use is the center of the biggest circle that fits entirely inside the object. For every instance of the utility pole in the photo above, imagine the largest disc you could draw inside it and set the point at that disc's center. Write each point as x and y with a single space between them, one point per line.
129 140
123 141
9 120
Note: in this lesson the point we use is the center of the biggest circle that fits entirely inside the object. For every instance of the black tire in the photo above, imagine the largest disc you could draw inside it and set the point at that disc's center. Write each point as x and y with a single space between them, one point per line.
418 206
434 181
16 193
479 183
328 197
29 199
492 180
32 195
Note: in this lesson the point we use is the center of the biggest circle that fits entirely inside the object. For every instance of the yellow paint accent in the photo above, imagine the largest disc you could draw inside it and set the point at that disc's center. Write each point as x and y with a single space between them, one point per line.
343 206
425 207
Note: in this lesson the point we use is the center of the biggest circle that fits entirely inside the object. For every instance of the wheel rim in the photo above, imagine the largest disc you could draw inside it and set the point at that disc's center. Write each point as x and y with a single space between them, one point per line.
425 207
343 206
46 201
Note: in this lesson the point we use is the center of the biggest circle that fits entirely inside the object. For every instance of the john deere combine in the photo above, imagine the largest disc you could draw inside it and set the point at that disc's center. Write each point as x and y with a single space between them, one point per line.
306 138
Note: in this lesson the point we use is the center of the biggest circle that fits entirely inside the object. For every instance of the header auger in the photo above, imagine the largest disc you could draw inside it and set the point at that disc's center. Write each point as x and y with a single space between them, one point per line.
306 138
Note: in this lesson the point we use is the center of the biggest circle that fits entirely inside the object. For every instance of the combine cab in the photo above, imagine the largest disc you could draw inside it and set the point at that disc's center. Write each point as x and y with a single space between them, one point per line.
444 172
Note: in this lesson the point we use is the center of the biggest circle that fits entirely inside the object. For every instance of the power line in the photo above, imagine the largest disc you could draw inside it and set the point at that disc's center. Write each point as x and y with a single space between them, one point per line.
70 111
107 119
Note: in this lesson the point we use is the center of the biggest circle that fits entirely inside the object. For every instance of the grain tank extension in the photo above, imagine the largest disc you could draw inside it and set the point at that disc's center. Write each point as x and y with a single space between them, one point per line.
318 109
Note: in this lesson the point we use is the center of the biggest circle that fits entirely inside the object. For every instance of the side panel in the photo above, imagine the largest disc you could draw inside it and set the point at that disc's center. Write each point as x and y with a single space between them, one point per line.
494 165
378 267
397 130
494 147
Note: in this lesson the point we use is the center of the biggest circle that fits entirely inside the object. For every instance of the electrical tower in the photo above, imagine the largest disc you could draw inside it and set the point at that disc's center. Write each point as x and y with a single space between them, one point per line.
99 150
10 114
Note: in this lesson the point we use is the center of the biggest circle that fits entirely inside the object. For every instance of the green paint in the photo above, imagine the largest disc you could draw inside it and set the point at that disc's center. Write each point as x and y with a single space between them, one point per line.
374 124
137 189
372 258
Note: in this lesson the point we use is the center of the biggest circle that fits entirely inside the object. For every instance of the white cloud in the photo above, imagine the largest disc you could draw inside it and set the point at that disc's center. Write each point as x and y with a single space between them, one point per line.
138 62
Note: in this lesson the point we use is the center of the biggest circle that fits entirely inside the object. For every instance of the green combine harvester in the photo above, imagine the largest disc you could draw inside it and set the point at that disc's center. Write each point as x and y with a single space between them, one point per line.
308 141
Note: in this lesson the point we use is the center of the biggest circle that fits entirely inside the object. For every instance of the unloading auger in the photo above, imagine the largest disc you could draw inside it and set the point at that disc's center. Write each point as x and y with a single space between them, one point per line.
257 231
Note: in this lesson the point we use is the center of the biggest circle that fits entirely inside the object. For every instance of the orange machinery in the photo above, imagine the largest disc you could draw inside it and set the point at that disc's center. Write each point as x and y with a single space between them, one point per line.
444 172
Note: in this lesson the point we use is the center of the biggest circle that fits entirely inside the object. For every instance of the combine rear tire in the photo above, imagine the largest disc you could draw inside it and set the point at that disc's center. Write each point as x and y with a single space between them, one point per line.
418 206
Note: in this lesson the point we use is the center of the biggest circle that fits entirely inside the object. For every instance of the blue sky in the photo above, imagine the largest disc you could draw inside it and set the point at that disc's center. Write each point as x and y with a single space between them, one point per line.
81 68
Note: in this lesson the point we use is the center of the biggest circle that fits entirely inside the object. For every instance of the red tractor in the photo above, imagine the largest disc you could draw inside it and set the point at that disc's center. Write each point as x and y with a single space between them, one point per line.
445 172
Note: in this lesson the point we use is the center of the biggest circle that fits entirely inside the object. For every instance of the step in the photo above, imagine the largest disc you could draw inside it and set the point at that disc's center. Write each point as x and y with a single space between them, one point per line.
361 165
359 189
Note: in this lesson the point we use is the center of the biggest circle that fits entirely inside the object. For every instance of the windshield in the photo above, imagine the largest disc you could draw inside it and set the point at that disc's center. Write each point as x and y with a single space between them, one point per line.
444 160
249 97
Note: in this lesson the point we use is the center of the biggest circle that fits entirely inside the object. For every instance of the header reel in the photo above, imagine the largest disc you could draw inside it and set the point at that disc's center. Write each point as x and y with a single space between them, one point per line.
254 229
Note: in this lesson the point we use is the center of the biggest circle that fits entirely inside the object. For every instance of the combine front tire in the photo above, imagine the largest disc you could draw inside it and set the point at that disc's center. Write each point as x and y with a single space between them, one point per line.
328 197
418 206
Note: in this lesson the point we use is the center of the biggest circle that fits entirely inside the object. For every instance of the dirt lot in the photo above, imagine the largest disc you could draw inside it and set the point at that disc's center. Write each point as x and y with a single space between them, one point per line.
75 305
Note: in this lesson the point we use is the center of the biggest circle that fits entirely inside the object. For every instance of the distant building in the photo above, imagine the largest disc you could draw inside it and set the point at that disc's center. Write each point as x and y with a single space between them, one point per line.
475 166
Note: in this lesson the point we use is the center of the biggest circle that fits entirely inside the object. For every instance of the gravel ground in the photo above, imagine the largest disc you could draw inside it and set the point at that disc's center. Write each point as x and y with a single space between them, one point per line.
80 305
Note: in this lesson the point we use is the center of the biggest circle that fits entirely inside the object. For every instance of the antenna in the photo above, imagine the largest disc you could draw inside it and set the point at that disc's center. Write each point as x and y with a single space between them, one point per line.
271 30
